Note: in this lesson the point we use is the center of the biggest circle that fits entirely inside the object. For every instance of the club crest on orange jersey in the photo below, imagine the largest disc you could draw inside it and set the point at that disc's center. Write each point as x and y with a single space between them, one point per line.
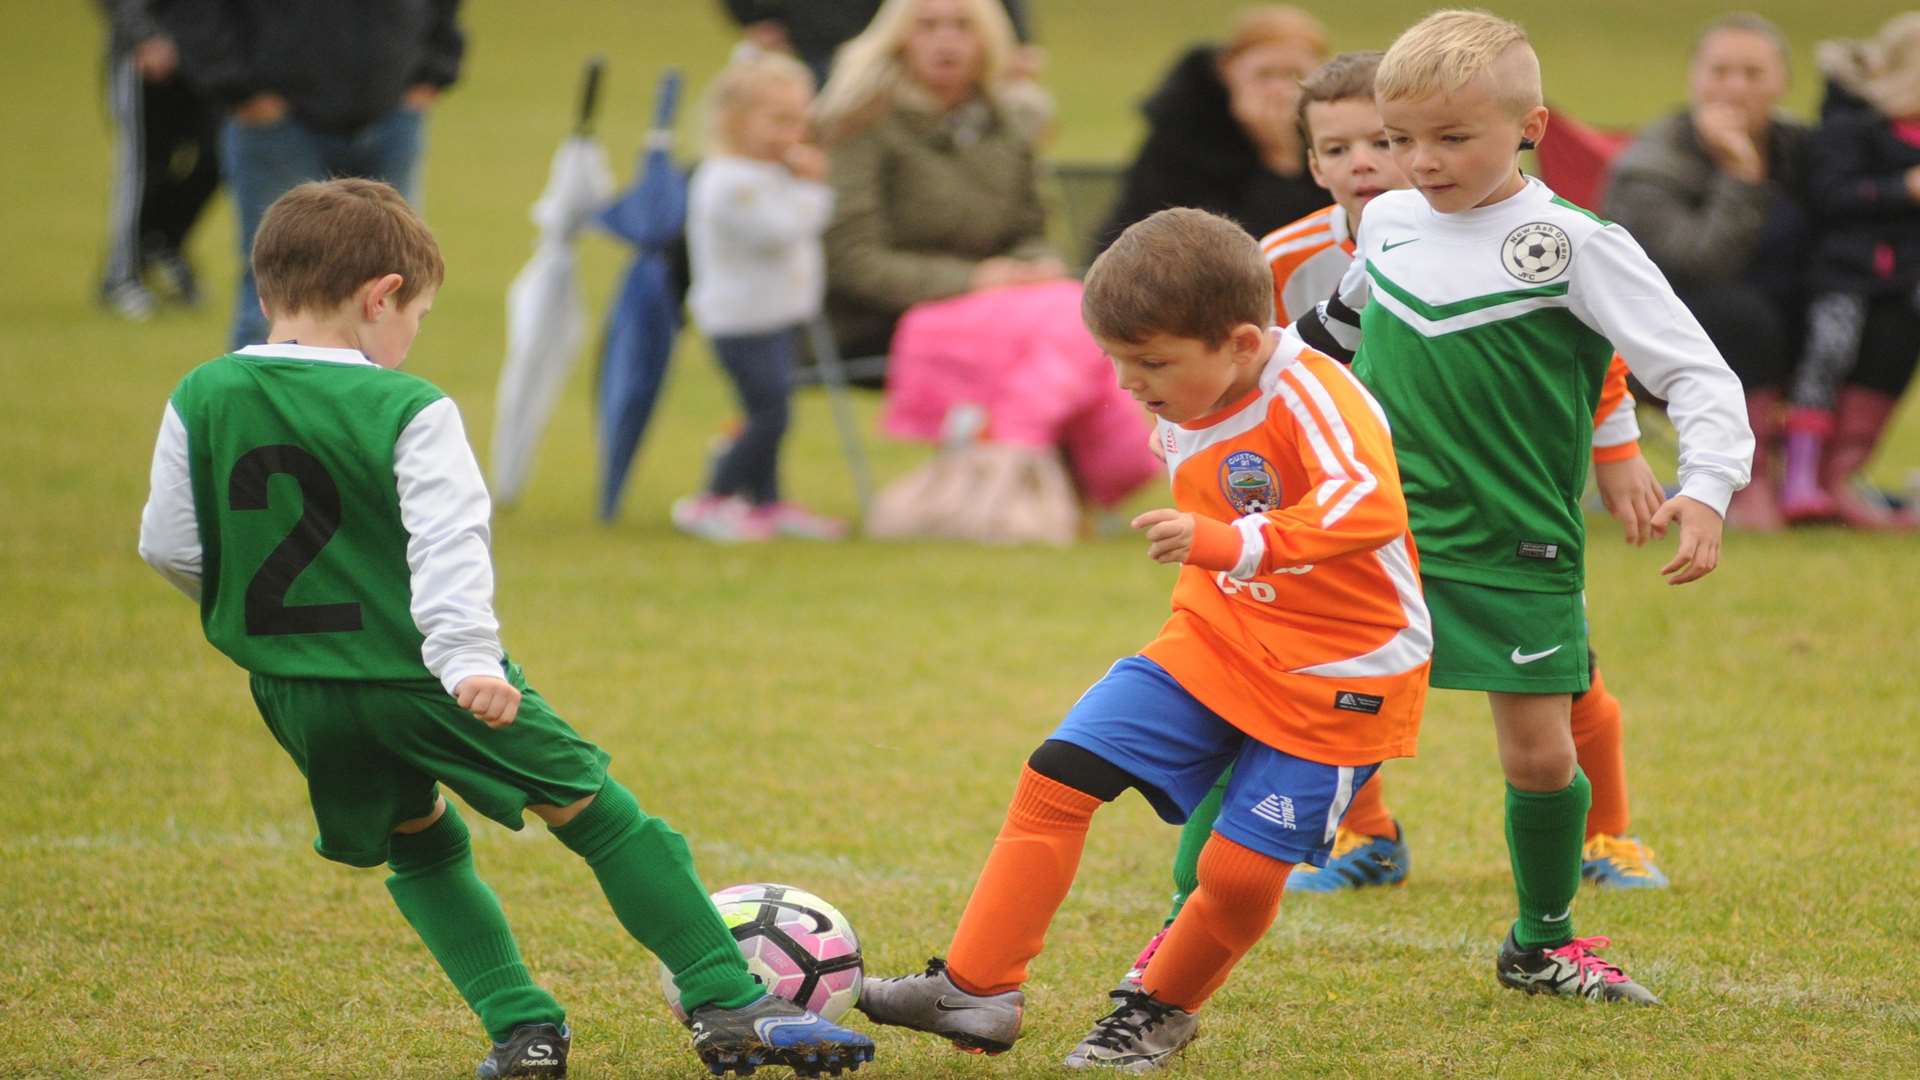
1249 483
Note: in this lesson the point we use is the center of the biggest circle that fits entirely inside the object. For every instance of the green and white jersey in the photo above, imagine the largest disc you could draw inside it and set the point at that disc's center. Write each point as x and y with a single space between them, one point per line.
1485 336
328 515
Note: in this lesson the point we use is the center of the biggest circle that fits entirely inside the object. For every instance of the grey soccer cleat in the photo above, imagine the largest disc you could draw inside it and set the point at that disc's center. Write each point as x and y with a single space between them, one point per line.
931 1002
1570 970
532 1050
774 1031
1139 1035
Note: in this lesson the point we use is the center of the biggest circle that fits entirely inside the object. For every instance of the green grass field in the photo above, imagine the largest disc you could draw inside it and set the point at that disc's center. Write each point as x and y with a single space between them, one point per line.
850 719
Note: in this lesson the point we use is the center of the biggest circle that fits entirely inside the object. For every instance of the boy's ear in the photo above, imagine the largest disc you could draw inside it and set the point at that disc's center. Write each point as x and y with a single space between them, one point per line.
1247 340
378 290
1533 126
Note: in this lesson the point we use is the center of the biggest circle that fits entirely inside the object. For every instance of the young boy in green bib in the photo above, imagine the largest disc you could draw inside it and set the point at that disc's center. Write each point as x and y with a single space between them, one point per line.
1486 310
327 514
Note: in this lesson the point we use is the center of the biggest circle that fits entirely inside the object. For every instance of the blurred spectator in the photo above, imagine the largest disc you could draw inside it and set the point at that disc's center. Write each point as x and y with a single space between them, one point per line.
165 160
1223 133
312 89
814 29
1716 195
755 212
936 191
1864 323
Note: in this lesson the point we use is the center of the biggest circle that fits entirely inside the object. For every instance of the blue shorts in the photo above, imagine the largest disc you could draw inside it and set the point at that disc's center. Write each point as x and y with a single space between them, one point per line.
1141 720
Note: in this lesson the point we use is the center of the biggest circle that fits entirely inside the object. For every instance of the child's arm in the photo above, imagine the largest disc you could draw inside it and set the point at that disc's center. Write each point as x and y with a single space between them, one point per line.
445 509
1352 500
770 213
1333 326
169 531
1627 485
1617 292
1843 182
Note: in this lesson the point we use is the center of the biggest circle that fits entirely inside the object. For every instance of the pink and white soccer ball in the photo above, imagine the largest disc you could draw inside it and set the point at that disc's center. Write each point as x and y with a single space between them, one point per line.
798 945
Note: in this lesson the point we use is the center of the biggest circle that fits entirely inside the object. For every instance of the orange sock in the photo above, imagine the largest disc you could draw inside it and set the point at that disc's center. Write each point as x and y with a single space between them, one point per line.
1026 877
1238 897
1598 745
1368 811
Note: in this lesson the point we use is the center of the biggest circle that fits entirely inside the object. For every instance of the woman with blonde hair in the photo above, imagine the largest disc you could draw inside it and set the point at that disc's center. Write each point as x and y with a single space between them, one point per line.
936 190
1222 128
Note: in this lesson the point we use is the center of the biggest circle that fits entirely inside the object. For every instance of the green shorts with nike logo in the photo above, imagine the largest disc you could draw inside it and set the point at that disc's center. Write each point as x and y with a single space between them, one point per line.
373 754
1506 639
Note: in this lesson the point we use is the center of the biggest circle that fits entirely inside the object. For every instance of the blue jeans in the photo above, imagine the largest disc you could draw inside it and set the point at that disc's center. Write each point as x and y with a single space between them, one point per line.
761 367
260 163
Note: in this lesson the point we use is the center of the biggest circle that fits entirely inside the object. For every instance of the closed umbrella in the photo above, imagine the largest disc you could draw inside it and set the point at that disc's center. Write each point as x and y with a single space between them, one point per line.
546 319
645 318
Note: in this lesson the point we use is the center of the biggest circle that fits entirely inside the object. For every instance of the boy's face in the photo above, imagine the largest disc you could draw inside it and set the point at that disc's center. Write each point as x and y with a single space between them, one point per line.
773 122
1349 154
1461 150
387 335
1184 379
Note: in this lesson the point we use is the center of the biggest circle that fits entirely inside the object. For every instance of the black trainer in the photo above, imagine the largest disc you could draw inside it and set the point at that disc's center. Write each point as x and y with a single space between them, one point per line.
532 1050
774 1031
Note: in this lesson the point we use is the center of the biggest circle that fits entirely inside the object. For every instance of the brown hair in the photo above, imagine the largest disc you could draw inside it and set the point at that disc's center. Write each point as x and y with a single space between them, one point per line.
1269 24
321 241
1746 22
1182 272
1347 77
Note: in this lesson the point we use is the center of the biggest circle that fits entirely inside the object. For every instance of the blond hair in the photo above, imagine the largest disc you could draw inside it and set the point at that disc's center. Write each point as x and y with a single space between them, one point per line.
1893 65
738 86
868 72
1275 24
318 243
1182 272
1347 77
1449 49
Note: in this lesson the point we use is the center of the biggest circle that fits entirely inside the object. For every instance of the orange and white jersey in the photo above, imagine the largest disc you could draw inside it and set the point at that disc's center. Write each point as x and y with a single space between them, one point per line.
1309 256
1298 617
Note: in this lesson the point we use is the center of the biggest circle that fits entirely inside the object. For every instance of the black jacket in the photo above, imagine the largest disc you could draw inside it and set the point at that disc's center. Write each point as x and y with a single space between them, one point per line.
1197 154
341 64
1869 226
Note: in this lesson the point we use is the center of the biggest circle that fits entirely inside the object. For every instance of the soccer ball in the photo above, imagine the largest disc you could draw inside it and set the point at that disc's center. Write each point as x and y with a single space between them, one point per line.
1537 255
798 945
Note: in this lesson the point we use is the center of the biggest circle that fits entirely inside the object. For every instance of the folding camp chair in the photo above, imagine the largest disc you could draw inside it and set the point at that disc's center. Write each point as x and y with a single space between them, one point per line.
1084 193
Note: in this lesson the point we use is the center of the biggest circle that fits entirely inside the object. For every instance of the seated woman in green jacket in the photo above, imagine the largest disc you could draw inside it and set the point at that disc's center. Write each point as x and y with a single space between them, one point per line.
935 184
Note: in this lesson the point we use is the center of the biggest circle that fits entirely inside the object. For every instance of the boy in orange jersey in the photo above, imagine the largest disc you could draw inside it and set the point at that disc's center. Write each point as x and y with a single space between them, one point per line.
1348 155
1297 650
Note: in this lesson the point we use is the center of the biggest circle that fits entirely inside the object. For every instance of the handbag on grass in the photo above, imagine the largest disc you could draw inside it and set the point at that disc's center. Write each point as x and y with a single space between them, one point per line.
989 493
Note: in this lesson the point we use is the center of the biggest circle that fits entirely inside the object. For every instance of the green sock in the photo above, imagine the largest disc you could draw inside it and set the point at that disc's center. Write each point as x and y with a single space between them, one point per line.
647 872
1193 837
460 920
1545 831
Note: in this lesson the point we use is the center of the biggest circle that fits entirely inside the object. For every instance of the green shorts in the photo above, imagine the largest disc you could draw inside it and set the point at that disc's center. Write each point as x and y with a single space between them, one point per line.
1505 639
373 752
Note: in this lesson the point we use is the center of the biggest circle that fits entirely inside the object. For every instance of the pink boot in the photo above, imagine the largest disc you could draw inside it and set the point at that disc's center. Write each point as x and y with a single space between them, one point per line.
1860 416
1754 507
1803 494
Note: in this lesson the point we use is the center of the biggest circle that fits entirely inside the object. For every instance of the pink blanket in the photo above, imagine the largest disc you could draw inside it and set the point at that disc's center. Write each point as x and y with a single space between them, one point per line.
1022 354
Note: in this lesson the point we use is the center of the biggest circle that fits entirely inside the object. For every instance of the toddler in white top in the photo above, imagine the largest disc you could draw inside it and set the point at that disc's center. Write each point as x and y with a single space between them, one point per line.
756 210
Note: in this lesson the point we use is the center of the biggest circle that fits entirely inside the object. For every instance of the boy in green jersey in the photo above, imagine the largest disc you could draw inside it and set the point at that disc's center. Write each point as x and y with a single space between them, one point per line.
1489 311
327 514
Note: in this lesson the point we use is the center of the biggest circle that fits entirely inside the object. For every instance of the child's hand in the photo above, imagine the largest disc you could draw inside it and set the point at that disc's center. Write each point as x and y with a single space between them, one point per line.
1699 550
493 700
1631 493
807 161
1169 534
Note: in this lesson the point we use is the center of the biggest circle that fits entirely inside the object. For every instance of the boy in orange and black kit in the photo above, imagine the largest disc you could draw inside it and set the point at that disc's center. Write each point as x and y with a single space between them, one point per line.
1297 651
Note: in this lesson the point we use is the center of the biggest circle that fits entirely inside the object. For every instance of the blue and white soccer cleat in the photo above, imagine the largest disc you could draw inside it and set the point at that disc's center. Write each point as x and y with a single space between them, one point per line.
1358 861
1620 862
774 1031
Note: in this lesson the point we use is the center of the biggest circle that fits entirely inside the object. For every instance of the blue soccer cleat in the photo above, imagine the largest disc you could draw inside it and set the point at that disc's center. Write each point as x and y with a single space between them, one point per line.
774 1031
1620 862
1358 861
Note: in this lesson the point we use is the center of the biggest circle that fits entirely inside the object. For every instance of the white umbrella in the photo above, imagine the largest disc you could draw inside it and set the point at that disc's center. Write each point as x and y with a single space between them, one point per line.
546 319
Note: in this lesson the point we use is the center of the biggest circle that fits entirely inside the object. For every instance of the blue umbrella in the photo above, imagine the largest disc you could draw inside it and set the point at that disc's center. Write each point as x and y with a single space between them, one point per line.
646 315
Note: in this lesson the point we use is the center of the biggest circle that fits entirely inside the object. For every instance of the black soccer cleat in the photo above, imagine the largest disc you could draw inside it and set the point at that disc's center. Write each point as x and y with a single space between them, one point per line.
532 1050
774 1031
